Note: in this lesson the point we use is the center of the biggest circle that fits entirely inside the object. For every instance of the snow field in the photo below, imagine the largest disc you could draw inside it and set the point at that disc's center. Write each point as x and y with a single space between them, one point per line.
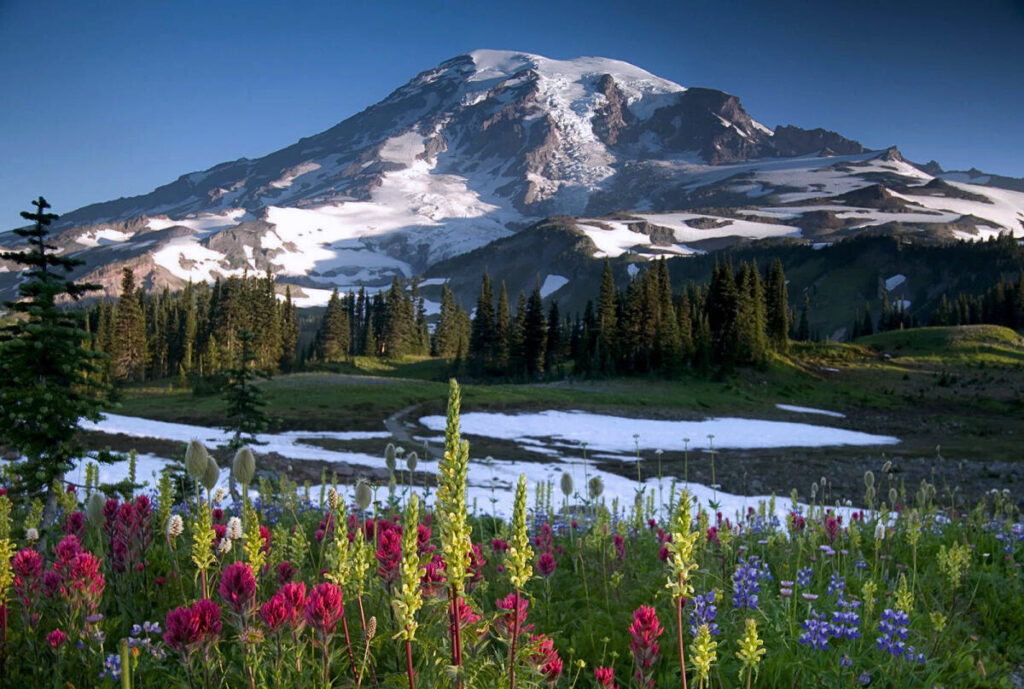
491 482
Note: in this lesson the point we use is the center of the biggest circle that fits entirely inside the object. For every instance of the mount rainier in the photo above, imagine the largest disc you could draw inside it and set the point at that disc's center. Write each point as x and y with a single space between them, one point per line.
487 145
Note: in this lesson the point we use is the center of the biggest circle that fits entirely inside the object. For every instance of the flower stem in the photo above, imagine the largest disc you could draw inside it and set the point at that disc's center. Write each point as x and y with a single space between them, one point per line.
679 625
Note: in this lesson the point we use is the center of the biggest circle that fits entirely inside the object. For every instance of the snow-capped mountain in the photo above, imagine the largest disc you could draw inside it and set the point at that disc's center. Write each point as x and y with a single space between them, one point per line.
484 145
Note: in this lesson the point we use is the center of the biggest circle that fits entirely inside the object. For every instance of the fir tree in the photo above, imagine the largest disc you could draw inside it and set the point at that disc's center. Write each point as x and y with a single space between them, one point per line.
446 334
129 340
553 350
289 332
534 334
332 339
777 311
49 378
244 398
481 344
607 319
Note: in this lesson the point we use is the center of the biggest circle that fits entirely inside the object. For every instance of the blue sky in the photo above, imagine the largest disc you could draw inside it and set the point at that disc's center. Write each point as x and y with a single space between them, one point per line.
114 98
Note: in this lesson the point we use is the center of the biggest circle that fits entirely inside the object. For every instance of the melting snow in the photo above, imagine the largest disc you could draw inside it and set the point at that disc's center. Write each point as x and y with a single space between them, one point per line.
810 410
553 283
895 281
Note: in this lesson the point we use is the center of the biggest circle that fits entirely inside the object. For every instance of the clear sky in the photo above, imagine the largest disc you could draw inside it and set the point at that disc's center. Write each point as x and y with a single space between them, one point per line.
113 98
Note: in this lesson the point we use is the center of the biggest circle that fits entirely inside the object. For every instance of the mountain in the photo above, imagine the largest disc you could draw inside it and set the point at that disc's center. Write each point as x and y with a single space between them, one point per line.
486 145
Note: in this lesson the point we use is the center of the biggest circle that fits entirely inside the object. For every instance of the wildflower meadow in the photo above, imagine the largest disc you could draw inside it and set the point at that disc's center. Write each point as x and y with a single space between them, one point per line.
398 585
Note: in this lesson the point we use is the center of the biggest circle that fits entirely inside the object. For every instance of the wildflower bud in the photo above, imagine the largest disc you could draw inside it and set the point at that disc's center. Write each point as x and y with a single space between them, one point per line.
244 466
411 461
363 495
31 535
371 628
893 495
210 474
389 457
869 479
879 531
234 528
94 508
566 484
196 459
175 526
887 467
332 498
814 490
225 546
595 488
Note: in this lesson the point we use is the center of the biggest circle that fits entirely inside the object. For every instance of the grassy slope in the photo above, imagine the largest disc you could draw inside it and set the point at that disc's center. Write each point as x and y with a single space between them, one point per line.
962 388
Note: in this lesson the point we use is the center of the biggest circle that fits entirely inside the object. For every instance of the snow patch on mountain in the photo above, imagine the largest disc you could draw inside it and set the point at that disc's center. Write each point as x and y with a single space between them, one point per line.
553 283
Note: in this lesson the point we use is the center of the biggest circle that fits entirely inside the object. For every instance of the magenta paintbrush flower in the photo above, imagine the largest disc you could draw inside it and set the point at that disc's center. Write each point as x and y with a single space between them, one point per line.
645 631
238 587
324 607
189 628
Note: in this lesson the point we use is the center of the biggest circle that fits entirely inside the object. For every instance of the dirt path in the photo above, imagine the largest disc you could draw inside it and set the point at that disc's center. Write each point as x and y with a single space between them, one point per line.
399 428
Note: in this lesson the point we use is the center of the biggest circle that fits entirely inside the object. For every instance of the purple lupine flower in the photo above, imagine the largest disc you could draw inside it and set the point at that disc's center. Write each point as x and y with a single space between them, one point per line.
817 631
845 661
836 584
804 575
746 583
861 564
864 678
846 621
704 612
894 629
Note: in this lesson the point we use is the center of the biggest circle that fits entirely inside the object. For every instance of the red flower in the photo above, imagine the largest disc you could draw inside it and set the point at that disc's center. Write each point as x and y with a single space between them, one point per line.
605 677
544 540
56 638
294 595
74 525
265 535
189 628
434 577
66 551
27 564
85 581
217 514
285 572
831 528
389 555
620 548
503 625
275 612
546 564
498 545
476 566
467 618
423 533
546 659
238 586
645 631
324 607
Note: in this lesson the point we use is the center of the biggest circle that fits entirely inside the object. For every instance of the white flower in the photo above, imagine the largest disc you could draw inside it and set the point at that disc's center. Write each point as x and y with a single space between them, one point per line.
879 531
225 546
219 496
332 498
31 535
234 529
175 526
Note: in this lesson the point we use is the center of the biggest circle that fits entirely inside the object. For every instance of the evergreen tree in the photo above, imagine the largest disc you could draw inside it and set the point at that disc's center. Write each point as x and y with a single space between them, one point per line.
803 330
399 335
446 333
777 311
553 349
289 332
244 398
481 344
49 378
129 337
723 312
502 323
535 334
517 340
332 339
607 319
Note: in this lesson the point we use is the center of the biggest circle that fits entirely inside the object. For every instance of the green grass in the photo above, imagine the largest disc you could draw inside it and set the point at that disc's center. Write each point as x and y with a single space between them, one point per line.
969 344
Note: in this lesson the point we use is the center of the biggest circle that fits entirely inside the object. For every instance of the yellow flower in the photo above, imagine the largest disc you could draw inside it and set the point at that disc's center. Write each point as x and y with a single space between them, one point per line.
408 599
703 652
904 596
681 550
520 554
751 649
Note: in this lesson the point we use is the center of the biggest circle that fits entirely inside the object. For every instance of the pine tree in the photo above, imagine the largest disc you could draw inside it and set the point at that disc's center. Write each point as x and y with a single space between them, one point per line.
332 339
399 334
501 331
723 311
607 320
446 334
289 332
777 308
516 341
553 349
535 334
481 344
129 338
49 379
244 398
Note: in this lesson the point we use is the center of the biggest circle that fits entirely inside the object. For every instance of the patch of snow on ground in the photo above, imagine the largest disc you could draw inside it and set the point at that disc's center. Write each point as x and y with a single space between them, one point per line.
895 281
491 482
553 283
615 434
103 237
734 227
810 410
